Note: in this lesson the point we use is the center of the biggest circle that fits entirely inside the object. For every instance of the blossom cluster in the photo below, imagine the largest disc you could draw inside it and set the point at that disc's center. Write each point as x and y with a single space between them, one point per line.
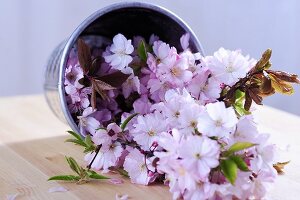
166 122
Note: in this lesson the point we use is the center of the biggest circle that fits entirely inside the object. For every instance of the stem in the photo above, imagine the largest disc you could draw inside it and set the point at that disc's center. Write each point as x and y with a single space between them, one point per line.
96 153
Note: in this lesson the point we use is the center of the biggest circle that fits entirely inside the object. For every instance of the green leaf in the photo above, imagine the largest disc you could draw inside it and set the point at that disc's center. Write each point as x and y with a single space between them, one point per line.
88 141
239 162
142 51
95 175
238 147
124 124
89 149
122 172
239 95
64 178
78 142
73 165
75 135
229 169
239 108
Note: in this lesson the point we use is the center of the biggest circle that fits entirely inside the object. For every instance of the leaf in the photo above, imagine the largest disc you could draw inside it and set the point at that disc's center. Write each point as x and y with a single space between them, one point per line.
281 86
95 66
248 101
84 55
255 97
73 165
238 146
122 172
287 77
88 141
241 110
89 149
142 51
95 175
94 98
101 85
279 166
238 105
229 169
264 61
75 135
115 79
240 163
266 88
124 124
75 141
64 178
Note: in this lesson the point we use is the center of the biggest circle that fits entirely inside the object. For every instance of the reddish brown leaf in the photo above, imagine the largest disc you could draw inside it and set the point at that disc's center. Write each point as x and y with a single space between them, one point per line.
115 79
84 55
93 98
248 101
281 86
264 61
96 63
266 88
100 85
255 97
284 76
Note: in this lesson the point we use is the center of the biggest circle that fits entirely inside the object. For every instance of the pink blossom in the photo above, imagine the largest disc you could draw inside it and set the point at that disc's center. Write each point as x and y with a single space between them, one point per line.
111 154
142 105
158 89
184 41
162 51
116 181
88 124
147 129
228 66
218 120
122 197
121 50
153 38
170 142
105 137
199 155
137 167
174 70
98 162
203 88
131 84
189 117
73 75
78 99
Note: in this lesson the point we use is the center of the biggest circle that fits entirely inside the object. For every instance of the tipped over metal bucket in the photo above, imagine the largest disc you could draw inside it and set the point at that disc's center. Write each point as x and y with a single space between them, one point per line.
130 19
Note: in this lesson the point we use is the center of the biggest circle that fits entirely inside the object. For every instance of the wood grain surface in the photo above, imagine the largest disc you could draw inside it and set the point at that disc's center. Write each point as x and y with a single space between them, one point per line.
32 149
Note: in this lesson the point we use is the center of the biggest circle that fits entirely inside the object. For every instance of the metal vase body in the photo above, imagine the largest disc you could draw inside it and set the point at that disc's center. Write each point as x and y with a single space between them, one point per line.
130 19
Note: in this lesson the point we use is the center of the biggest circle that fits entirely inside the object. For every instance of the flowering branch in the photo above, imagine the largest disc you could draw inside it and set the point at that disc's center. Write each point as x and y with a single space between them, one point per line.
258 83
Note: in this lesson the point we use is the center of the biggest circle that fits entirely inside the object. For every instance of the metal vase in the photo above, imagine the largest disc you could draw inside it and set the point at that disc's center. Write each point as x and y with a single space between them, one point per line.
130 18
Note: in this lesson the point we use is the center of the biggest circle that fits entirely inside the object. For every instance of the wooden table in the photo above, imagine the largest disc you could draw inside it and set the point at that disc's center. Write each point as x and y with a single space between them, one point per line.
32 149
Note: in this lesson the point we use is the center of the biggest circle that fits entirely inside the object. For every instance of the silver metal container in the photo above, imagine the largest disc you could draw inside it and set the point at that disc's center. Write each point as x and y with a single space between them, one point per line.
130 18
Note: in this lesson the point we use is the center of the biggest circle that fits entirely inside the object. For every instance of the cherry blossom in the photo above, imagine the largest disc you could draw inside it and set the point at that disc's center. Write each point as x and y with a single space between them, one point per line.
121 50
228 66
137 167
147 129
218 120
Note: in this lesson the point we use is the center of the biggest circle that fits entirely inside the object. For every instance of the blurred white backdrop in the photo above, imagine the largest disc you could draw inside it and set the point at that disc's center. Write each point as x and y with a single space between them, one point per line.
31 29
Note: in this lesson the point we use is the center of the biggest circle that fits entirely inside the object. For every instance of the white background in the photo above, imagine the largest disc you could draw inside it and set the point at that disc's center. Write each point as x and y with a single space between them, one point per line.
31 29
